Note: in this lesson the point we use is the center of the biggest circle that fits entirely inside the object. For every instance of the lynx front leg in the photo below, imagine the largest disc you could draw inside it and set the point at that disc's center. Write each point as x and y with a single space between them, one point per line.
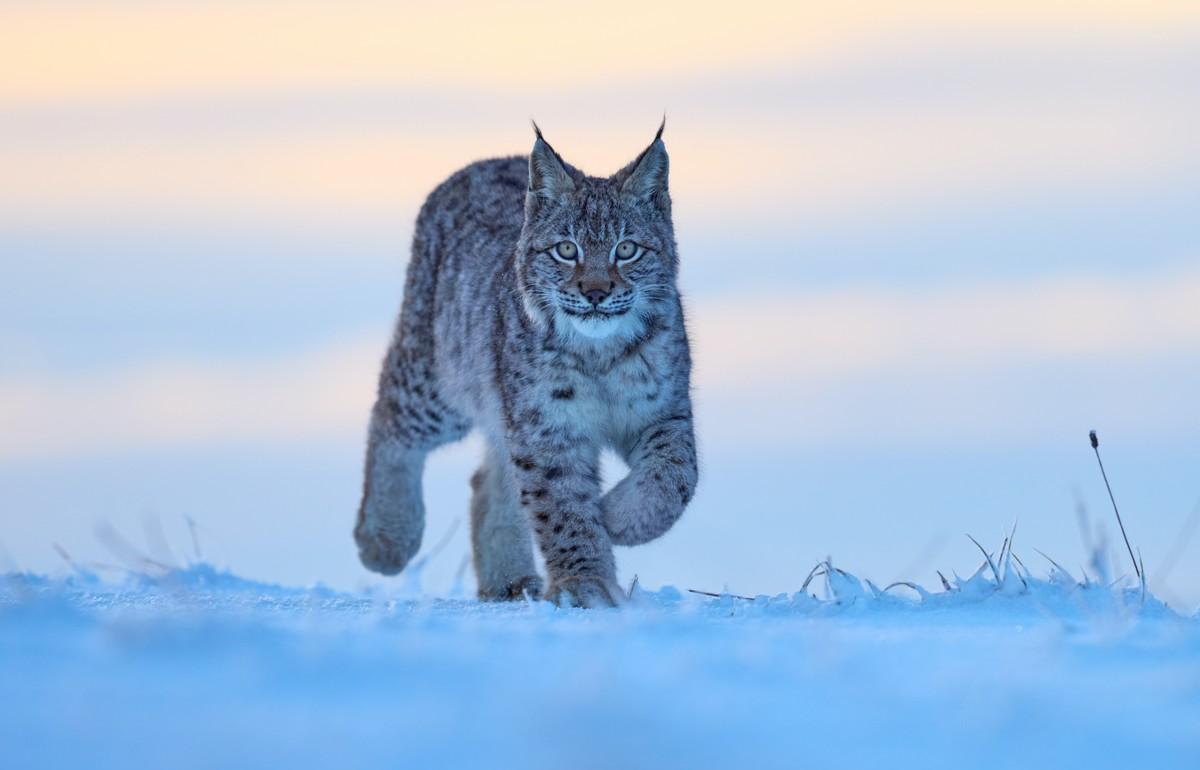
559 488
661 481
500 539
408 421
391 519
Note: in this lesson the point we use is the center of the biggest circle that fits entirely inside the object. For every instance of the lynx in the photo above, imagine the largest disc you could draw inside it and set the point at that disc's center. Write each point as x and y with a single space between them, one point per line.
540 308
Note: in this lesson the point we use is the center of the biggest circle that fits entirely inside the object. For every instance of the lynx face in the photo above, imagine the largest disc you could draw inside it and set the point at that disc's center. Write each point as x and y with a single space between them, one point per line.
597 255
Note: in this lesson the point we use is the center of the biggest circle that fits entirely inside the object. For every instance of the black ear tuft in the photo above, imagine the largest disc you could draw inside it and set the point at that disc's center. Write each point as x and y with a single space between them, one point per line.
548 177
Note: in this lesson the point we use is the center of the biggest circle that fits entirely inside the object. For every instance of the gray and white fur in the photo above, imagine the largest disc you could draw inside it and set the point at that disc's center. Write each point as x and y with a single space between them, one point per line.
540 308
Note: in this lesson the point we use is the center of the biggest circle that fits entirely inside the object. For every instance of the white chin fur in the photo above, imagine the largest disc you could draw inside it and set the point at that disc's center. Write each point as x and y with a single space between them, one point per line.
599 328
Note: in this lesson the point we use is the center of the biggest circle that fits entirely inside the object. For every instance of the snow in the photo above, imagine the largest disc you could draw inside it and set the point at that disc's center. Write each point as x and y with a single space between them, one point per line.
196 667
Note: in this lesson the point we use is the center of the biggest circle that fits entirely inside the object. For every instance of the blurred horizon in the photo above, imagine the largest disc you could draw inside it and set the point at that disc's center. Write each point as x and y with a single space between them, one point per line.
925 248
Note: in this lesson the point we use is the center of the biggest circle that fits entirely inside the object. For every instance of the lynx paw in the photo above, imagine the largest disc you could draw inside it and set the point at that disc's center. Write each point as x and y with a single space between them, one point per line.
618 508
516 590
638 513
585 591
380 553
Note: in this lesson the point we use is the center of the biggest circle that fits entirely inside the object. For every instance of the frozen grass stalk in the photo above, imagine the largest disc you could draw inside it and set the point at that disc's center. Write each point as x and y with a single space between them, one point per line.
1096 448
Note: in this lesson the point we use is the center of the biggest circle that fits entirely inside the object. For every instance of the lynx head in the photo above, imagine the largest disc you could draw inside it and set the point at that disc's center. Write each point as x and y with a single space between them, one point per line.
596 258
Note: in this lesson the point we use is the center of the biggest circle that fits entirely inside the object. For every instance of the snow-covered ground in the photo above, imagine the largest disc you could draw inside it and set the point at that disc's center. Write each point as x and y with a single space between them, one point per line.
198 668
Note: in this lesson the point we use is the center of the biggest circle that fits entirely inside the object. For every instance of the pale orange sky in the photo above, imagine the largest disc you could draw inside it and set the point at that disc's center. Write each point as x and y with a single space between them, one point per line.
58 51
314 110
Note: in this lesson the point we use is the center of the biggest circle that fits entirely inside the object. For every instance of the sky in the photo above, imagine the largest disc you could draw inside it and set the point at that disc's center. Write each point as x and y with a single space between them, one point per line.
925 248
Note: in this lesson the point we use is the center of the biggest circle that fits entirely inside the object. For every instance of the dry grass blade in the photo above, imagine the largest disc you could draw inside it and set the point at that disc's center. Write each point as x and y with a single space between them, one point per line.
1052 561
926 555
1142 574
1021 564
438 547
988 556
921 592
816 571
62 554
1179 545
1104 474
1012 538
191 525
719 596
463 564
87 567
157 545
126 552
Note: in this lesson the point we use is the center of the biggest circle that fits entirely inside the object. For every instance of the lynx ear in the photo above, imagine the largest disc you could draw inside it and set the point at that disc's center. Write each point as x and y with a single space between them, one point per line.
548 177
647 176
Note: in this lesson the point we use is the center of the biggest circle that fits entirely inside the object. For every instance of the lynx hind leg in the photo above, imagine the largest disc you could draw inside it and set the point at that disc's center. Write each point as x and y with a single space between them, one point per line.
500 537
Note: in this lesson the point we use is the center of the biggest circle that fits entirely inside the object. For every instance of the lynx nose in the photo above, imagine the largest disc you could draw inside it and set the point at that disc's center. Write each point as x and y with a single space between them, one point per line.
595 293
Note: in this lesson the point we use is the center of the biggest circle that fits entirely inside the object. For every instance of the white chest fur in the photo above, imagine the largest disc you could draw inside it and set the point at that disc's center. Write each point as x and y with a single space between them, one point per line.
616 404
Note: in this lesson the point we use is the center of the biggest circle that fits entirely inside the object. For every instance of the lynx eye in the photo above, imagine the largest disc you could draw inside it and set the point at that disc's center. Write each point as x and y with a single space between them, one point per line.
566 251
627 251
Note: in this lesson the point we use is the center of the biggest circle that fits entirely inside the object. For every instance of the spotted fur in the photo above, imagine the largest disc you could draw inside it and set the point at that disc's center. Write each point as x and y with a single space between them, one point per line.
551 359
